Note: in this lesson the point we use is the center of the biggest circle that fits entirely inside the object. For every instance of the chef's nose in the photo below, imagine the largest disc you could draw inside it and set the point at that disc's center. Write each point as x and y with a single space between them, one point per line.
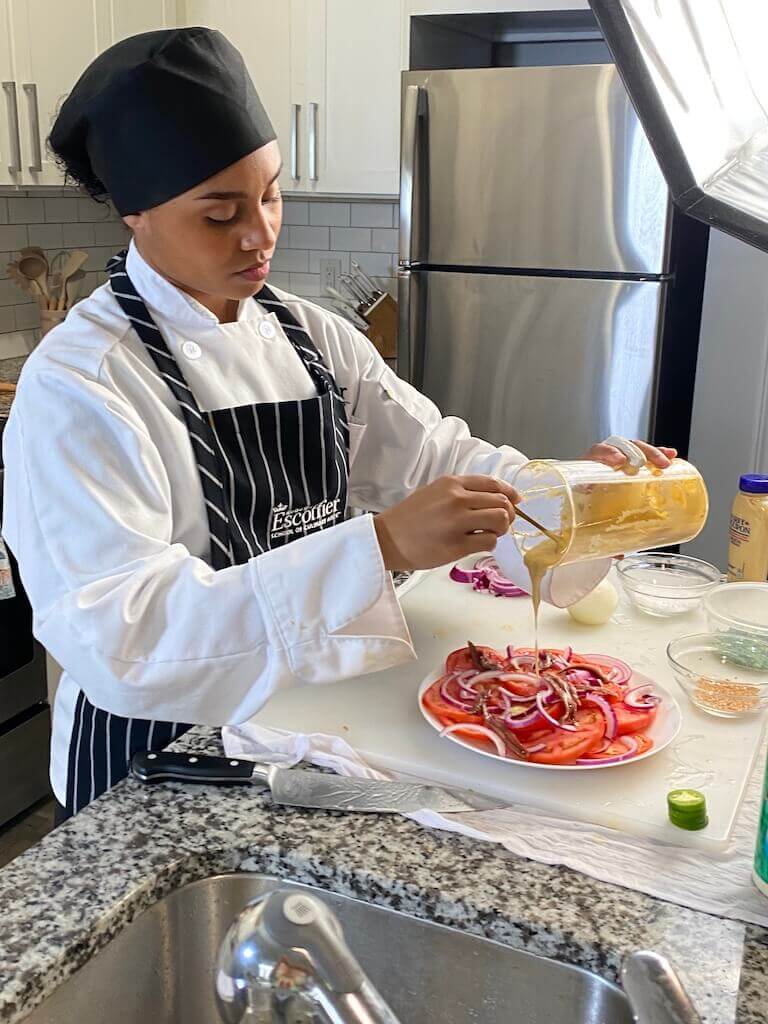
261 234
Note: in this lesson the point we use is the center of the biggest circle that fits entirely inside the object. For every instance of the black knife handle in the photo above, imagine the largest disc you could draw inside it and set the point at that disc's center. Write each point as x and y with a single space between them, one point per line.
163 766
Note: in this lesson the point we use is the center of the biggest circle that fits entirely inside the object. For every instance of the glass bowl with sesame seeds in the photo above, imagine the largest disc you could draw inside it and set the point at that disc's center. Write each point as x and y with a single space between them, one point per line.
729 682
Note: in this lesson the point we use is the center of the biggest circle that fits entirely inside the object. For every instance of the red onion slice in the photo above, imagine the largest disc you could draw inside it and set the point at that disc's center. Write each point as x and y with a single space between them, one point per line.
477 730
456 702
640 698
611 724
515 722
540 704
614 669
629 742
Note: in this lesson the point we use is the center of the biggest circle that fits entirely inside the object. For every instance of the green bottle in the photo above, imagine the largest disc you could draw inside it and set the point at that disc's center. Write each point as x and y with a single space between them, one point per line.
760 873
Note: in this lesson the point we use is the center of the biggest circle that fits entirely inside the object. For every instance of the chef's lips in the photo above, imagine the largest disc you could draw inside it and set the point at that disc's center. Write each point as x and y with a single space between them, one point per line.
157 114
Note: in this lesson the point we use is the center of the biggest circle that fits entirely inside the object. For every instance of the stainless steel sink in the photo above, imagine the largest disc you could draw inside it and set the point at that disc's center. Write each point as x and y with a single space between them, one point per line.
160 968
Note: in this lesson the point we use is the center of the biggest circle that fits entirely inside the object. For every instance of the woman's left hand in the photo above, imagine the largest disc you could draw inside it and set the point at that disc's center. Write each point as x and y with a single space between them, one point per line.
610 456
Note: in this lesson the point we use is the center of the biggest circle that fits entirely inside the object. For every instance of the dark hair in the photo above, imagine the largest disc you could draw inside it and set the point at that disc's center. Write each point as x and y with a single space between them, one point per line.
78 171
76 166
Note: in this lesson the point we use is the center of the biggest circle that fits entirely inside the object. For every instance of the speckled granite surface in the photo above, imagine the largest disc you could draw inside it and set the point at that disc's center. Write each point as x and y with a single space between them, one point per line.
9 374
68 896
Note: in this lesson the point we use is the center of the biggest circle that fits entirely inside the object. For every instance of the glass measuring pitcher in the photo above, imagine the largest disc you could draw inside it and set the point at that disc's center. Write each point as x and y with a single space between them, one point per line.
593 513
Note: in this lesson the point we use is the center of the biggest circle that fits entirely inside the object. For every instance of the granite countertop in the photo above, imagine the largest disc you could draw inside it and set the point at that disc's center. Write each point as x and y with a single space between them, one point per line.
9 374
65 898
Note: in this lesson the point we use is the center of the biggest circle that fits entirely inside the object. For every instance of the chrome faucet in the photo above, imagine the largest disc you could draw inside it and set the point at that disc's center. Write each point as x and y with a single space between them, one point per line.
655 993
284 959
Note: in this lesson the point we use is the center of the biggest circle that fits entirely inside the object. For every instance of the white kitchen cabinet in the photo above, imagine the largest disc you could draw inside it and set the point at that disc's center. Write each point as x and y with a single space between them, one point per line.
360 111
54 43
50 45
10 139
261 30
328 73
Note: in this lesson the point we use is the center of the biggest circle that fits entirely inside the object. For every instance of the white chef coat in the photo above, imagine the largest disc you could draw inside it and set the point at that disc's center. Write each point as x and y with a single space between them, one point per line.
104 512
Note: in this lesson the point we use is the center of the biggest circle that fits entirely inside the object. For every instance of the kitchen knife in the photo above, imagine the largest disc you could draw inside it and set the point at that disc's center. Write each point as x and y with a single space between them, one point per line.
374 289
299 787
356 288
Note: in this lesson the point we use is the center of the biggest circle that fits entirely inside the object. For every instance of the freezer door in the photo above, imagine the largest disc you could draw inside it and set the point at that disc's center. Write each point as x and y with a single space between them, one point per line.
540 168
549 365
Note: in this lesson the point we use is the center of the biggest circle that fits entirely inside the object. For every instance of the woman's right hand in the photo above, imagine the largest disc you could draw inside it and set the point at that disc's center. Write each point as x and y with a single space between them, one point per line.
448 519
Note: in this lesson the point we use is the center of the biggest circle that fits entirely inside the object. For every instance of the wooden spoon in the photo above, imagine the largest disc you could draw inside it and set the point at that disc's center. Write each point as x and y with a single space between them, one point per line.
73 288
76 259
35 268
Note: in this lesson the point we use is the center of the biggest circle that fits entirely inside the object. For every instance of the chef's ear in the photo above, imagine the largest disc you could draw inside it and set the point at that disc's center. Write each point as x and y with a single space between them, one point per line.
133 220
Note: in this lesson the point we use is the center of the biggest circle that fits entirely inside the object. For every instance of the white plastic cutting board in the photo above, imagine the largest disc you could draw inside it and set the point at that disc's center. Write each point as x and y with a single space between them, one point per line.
378 716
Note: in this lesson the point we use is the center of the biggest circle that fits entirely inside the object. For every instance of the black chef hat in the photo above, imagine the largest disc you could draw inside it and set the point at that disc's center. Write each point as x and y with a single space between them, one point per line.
156 114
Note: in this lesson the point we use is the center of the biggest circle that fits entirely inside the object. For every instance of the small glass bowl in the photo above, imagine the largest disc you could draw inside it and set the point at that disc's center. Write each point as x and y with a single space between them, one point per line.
738 609
664 585
722 684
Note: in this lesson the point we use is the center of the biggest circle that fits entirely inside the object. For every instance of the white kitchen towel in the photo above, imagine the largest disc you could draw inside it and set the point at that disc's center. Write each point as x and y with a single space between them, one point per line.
715 883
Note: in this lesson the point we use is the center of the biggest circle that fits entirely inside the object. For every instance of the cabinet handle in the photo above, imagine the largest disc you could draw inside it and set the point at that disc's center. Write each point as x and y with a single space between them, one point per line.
14 139
34 125
295 112
313 141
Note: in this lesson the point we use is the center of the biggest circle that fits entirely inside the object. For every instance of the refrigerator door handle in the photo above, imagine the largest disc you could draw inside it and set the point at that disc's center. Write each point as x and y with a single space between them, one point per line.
410 336
414 114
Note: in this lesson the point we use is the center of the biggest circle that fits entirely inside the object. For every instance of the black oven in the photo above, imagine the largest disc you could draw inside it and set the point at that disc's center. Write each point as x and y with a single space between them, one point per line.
25 720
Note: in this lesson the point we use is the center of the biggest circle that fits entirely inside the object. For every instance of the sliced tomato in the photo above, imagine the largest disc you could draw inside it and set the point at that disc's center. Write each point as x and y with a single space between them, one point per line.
631 720
461 660
481 742
618 748
565 747
433 701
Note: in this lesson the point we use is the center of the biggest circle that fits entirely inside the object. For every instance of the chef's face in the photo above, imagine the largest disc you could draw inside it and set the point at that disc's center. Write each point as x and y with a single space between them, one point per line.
216 240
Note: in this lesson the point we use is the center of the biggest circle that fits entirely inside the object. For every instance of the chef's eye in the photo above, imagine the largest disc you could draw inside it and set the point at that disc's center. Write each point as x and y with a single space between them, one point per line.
222 220
276 198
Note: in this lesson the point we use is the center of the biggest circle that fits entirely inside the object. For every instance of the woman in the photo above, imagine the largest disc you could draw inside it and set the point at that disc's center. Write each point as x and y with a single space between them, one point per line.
180 458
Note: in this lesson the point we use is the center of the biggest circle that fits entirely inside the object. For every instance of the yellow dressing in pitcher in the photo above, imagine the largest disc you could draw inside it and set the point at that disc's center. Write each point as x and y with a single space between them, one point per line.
595 511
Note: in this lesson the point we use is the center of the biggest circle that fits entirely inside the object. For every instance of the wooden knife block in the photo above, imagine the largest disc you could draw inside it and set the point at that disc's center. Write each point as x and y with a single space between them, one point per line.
382 319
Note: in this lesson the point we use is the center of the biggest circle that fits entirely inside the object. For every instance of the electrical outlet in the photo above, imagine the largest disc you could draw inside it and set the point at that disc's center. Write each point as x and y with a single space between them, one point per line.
330 272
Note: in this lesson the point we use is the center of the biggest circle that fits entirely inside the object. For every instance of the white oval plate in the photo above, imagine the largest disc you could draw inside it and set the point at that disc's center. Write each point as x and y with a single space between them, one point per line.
664 729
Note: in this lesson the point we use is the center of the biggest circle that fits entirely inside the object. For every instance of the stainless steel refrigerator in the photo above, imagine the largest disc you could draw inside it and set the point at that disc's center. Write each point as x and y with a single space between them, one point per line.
535 255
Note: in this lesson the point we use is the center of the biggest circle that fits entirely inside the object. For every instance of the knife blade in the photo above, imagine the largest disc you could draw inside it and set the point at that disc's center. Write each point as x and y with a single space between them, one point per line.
375 291
301 787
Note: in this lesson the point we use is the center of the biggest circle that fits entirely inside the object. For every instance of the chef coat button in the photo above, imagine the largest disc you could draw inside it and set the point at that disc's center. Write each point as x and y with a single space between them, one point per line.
267 329
191 350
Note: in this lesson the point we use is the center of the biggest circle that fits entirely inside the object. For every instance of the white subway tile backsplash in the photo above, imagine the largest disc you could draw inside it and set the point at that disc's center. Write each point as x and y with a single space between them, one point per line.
316 255
27 317
78 235
92 212
305 238
295 212
7 319
350 238
306 284
296 260
49 236
313 230
281 281
10 293
113 233
61 209
372 215
378 264
329 214
25 211
384 240
13 237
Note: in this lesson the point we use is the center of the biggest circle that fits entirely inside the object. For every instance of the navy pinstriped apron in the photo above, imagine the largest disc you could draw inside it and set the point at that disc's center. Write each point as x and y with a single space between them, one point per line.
270 473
